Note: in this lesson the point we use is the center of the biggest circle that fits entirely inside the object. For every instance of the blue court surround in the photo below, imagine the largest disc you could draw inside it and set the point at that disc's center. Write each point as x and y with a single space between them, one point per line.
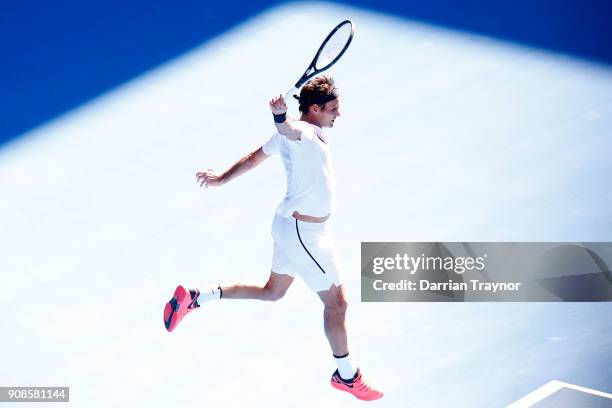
59 55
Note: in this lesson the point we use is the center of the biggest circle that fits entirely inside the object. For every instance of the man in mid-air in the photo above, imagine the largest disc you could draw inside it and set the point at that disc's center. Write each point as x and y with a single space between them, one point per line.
303 244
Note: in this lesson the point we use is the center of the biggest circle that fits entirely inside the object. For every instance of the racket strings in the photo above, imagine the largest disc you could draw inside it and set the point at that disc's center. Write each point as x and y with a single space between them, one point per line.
334 46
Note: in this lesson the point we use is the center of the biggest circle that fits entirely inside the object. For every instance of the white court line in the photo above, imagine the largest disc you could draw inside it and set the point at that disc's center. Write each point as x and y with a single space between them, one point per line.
549 389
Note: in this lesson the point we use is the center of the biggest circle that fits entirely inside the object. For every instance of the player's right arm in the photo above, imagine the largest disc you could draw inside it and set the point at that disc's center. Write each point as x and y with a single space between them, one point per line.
212 178
286 128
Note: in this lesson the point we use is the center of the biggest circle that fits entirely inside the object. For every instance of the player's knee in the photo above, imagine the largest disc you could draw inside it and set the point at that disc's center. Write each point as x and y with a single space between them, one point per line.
337 307
273 294
276 295
342 305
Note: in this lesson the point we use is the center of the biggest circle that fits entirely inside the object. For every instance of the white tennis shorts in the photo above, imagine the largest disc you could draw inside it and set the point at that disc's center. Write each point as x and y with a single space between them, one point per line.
307 249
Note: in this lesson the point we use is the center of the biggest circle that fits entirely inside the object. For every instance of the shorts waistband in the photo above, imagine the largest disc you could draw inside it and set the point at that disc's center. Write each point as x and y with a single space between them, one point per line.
309 218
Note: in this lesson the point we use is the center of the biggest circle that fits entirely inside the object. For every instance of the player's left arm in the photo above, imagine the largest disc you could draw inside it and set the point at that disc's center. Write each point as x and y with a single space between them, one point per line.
212 178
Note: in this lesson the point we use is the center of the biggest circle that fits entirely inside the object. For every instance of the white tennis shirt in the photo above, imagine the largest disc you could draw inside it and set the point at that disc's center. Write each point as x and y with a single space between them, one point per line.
308 164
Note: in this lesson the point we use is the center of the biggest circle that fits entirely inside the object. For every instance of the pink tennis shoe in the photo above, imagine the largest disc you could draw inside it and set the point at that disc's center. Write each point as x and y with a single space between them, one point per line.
359 387
183 302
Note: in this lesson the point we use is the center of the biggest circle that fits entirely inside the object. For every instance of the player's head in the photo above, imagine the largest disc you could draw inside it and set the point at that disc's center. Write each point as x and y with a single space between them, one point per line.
319 101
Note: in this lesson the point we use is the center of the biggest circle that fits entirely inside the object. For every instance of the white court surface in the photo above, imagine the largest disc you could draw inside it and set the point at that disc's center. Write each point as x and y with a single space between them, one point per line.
445 136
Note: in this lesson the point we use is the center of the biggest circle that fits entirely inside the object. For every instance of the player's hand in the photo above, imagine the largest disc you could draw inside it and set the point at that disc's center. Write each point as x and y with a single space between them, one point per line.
278 105
209 178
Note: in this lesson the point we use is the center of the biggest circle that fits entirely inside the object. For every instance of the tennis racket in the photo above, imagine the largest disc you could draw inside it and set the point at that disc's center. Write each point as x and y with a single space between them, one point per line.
330 51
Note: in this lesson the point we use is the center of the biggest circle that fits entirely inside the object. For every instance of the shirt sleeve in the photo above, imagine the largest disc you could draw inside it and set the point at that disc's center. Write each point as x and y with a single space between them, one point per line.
272 146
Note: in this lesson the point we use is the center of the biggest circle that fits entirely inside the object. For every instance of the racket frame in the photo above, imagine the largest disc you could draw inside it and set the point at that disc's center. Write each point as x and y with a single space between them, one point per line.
312 70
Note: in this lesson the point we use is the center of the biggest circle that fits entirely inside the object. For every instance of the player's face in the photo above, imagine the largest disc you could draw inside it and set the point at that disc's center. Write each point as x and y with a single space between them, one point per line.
329 113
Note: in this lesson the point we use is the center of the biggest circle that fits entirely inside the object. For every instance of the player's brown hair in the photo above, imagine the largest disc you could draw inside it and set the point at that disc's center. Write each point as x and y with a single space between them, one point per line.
317 90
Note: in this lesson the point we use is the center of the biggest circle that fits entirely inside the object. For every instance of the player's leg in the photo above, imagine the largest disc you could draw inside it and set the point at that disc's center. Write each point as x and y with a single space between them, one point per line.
281 277
311 248
185 300
334 315
334 323
346 377
273 290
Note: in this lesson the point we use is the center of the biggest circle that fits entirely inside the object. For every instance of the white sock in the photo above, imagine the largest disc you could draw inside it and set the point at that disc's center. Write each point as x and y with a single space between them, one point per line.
210 293
345 367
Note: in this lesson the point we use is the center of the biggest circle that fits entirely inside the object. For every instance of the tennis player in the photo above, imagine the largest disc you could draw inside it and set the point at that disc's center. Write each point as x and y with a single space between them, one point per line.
303 244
